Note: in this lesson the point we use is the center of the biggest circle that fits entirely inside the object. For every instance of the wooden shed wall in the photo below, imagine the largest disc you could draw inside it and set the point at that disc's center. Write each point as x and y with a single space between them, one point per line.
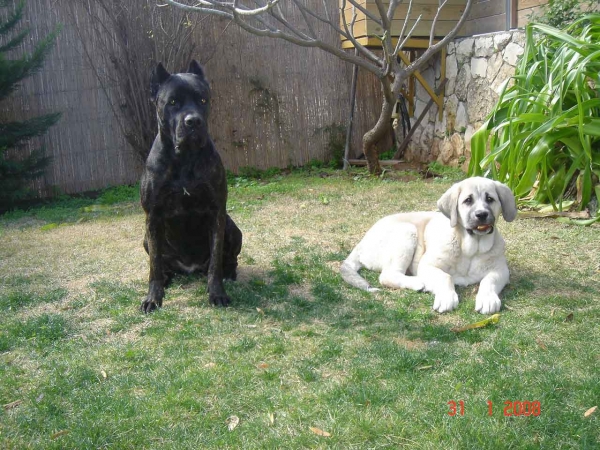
490 15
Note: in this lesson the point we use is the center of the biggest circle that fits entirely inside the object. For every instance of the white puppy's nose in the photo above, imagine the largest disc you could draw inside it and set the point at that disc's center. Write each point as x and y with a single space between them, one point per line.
481 215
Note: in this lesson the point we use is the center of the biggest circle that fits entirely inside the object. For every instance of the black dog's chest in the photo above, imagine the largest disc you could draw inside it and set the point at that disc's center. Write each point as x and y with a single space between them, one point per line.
185 196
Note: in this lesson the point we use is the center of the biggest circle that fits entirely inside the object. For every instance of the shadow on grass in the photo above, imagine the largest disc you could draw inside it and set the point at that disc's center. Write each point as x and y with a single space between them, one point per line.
571 290
303 290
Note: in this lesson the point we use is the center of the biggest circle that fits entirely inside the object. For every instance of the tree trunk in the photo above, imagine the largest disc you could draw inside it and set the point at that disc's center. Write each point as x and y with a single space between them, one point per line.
382 127
380 130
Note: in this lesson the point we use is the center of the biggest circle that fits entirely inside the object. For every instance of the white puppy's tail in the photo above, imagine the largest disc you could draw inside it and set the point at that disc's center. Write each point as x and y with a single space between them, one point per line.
349 271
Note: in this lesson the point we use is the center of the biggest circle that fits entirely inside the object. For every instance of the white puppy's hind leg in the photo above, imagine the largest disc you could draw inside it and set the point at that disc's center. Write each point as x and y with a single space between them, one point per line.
397 256
395 279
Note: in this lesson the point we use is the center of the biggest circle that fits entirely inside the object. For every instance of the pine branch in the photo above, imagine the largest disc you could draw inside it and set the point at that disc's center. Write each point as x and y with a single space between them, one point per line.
12 72
13 134
13 19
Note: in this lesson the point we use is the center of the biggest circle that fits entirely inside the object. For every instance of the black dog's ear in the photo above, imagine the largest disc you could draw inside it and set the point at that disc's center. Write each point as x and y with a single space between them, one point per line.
196 69
159 76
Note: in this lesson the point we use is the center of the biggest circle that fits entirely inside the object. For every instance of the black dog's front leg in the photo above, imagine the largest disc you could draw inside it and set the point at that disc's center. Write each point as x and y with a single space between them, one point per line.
216 291
155 233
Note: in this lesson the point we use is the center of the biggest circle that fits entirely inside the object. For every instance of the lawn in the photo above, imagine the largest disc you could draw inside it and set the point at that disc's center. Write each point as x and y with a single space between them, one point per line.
300 359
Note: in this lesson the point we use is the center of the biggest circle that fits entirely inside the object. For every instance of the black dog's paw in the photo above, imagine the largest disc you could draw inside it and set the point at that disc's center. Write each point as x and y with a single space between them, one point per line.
148 306
154 298
219 299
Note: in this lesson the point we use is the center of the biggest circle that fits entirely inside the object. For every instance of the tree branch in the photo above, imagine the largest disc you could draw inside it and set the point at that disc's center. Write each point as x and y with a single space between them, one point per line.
437 47
230 11
386 24
350 36
437 14
402 42
366 12
404 25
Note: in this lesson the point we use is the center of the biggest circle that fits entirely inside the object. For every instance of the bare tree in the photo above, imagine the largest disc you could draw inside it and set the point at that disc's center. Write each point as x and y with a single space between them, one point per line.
269 18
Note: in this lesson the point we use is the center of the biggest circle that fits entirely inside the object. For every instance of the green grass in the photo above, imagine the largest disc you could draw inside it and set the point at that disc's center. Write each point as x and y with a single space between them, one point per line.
298 348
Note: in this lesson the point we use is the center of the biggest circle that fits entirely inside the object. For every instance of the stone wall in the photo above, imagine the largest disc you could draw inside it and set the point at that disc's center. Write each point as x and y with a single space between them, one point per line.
476 67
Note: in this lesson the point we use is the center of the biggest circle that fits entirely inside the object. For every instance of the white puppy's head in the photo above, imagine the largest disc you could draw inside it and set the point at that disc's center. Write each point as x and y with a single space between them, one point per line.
475 204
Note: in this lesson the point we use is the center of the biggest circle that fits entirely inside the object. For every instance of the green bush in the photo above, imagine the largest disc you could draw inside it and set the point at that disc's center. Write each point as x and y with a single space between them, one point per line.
561 13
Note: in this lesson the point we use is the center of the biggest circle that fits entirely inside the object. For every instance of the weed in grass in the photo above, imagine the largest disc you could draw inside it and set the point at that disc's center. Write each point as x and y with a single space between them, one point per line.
308 373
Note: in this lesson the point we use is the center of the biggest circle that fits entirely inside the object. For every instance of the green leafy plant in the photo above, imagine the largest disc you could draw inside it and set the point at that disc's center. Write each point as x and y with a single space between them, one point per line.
560 13
544 132
335 144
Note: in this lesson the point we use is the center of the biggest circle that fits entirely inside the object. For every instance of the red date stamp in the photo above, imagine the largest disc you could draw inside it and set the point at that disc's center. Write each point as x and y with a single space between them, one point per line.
512 408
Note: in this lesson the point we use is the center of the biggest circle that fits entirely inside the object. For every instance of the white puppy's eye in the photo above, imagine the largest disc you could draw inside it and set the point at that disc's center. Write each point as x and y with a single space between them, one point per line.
468 201
489 199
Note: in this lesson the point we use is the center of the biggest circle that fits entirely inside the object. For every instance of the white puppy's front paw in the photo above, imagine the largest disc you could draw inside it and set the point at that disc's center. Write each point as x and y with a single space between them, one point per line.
487 303
445 301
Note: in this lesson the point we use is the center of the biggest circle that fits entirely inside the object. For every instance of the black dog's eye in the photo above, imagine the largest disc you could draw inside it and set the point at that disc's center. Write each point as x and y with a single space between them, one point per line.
468 201
173 102
203 100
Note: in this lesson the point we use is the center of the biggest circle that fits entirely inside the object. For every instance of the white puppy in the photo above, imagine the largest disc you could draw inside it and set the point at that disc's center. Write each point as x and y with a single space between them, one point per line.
459 246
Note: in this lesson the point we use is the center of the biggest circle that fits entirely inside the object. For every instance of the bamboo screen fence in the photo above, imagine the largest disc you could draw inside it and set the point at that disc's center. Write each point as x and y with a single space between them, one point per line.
87 148
271 101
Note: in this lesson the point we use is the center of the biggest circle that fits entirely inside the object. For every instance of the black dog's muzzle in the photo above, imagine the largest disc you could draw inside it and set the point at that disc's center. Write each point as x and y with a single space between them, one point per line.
190 130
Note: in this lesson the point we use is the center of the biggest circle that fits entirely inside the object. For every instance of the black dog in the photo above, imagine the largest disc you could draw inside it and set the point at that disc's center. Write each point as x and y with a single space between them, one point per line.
184 191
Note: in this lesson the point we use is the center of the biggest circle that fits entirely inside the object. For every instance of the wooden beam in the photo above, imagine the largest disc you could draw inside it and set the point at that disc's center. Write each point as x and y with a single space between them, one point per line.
424 83
406 141
373 42
442 89
385 162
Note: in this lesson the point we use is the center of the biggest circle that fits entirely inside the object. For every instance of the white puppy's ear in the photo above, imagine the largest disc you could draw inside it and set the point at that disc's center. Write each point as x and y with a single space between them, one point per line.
448 204
507 200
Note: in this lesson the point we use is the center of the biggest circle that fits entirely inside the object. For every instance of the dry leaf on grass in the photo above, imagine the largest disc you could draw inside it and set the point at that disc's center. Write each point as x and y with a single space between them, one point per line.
541 344
424 367
232 422
104 375
569 318
59 434
272 418
12 405
319 432
262 366
482 323
590 411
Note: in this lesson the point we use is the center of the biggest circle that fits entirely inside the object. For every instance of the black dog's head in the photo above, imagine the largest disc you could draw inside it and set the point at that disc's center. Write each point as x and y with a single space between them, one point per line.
182 105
